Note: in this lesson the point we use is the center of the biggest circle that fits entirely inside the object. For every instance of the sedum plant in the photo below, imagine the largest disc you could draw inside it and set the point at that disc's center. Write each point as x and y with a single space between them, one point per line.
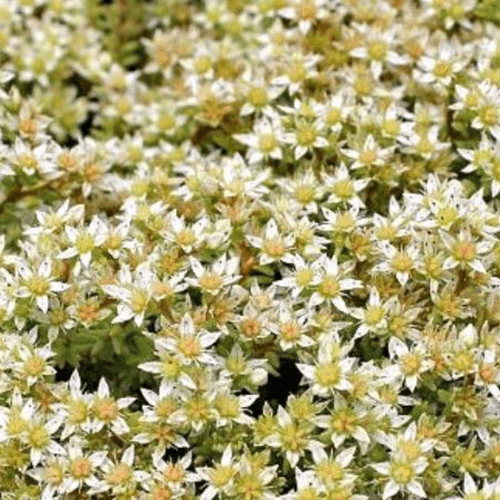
249 250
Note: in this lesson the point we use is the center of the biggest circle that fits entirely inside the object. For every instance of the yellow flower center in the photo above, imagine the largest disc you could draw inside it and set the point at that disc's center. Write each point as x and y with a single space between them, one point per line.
38 437
162 493
78 412
84 243
189 346
227 406
377 50
139 300
402 472
329 287
411 363
54 475
343 422
488 114
402 263
210 281
304 277
267 143
166 407
106 409
306 10
221 475
327 375
374 314
251 327
258 97
293 437
38 285
121 474
80 468
304 193
306 135
274 248
464 251
442 69
290 331
329 471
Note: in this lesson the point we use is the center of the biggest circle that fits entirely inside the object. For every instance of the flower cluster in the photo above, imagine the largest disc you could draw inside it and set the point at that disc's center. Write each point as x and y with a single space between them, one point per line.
249 250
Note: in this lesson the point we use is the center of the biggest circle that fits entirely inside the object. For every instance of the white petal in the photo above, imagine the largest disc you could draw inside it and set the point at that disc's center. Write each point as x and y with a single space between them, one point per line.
391 488
416 489
128 455
103 388
75 382
45 269
43 303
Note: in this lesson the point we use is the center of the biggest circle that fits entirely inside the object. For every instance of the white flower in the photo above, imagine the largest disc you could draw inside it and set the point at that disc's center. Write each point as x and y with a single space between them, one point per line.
403 476
76 408
230 408
33 364
119 477
265 140
373 317
190 346
220 274
134 293
411 363
82 467
189 238
38 284
344 189
84 241
331 283
273 245
371 154
306 12
305 137
220 478
441 66
400 262
330 372
291 329
377 48
465 251
293 437
330 470
107 410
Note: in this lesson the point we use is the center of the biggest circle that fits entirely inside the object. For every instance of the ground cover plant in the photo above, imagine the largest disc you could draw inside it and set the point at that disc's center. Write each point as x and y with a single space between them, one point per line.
249 249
